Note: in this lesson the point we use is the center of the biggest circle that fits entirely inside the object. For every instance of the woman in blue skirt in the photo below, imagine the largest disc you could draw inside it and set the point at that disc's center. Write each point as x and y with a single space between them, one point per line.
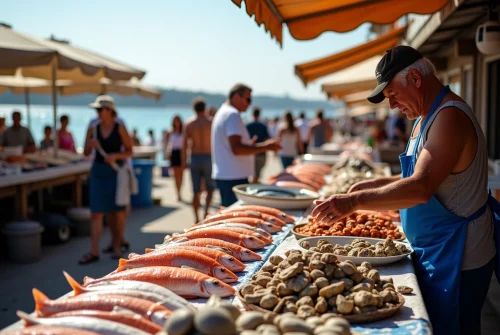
114 140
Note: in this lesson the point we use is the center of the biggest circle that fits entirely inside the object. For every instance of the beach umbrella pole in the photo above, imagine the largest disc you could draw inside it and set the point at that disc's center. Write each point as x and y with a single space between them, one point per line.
27 100
54 106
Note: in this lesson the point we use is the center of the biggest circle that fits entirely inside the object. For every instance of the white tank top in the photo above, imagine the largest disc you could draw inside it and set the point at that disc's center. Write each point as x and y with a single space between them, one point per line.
176 141
289 142
465 192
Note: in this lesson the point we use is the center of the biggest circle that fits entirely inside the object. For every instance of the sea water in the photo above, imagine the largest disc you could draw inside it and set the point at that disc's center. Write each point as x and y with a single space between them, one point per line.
158 119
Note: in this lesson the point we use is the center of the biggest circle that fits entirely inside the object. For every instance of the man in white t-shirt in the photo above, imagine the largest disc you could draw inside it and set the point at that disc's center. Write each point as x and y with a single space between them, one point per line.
303 126
232 149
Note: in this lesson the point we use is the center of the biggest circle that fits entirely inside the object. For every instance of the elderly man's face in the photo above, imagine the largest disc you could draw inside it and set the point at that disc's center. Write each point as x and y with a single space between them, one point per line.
405 97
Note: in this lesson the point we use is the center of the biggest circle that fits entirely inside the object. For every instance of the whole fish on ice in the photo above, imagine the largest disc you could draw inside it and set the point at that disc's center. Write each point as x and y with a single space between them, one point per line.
223 258
127 318
241 253
100 326
246 241
184 282
180 258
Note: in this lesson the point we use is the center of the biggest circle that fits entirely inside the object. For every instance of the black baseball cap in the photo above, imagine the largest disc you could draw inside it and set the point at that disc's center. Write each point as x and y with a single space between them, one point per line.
394 60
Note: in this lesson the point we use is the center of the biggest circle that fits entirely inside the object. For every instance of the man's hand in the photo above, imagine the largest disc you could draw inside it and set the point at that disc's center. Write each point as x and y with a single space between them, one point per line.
272 144
253 140
333 209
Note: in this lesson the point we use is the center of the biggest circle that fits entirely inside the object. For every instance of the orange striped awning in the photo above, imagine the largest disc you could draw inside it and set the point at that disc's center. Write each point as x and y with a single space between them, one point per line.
307 19
311 71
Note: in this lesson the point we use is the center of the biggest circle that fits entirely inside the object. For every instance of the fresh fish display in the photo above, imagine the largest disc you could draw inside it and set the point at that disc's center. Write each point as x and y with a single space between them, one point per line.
168 298
184 282
241 253
223 258
149 310
180 258
246 241
257 223
262 209
48 330
129 319
273 219
231 215
243 231
260 231
100 326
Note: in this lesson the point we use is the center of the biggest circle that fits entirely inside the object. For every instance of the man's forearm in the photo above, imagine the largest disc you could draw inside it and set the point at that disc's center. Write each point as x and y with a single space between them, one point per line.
386 180
404 193
244 149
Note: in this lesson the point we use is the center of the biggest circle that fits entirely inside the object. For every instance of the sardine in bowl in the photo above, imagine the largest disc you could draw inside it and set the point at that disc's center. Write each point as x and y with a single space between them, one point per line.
275 196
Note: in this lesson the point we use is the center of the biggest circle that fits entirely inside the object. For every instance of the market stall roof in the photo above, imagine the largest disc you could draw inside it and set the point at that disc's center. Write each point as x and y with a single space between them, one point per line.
361 110
18 84
360 97
39 58
313 70
356 78
307 19
19 50
105 85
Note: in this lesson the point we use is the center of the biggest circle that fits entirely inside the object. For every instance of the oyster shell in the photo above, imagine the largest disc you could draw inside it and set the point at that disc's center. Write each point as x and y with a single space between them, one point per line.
380 253
389 243
340 252
354 252
391 251
365 253
402 249
404 289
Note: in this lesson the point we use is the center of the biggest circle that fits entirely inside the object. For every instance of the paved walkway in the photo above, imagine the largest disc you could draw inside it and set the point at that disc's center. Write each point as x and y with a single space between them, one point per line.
145 228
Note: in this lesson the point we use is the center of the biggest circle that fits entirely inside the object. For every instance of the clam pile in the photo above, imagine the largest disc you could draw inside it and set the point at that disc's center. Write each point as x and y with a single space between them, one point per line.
220 317
359 248
314 283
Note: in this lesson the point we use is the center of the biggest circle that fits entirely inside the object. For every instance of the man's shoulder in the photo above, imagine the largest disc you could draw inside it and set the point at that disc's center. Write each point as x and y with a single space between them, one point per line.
314 124
198 122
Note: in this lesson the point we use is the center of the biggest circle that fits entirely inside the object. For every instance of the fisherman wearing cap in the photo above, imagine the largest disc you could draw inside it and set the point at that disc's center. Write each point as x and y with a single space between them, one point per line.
446 211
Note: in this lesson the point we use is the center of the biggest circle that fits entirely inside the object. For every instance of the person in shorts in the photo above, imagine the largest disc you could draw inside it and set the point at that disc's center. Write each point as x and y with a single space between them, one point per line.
197 137
258 129
173 142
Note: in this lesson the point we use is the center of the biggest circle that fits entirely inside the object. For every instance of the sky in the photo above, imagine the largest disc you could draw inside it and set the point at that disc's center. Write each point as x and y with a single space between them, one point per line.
186 44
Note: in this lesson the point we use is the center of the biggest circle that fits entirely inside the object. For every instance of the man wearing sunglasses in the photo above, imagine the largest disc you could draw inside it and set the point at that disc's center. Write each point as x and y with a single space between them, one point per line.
233 152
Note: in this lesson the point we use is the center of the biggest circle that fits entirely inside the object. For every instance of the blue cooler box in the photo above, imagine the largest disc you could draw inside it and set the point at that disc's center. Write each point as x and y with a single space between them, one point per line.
143 169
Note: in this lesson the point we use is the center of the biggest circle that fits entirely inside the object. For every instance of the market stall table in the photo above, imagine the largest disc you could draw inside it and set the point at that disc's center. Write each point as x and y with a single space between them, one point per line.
411 318
20 185
144 152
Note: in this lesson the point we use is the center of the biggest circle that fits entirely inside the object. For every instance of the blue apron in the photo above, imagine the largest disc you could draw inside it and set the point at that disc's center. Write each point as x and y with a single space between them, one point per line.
438 238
